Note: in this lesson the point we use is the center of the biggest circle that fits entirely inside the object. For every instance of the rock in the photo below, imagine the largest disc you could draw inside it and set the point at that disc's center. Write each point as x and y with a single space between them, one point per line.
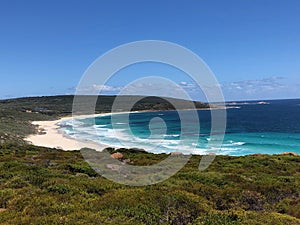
30 164
262 103
81 175
290 153
117 155
53 163
42 132
126 160
176 153
113 167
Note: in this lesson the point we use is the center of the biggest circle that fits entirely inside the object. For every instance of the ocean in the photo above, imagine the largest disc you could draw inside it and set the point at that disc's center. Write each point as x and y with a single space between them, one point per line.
253 127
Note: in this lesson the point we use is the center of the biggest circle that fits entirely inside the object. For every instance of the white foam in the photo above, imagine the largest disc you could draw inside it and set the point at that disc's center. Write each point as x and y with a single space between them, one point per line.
119 138
99 126
172 135
232 143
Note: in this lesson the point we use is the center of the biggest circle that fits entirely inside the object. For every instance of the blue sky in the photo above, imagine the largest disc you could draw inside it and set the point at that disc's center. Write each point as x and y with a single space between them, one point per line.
252 46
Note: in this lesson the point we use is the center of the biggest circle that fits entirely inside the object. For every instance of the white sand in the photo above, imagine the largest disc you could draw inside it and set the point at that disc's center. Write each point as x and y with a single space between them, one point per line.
53 138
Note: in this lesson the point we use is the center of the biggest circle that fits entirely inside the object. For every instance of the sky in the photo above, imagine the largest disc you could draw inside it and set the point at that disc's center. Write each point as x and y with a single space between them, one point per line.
252 46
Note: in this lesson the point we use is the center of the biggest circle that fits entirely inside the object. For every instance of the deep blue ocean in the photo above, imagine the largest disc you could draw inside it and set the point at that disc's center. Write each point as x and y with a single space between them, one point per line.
252 128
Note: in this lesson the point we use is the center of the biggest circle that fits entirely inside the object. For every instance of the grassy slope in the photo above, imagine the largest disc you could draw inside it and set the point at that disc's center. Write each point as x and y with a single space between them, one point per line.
48 186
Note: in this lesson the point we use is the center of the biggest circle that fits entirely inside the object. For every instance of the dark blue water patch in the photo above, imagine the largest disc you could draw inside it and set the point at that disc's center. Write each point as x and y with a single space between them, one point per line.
278 116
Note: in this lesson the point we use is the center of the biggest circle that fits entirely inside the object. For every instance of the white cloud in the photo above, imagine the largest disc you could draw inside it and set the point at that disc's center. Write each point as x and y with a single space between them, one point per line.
102 89
154 87
265 88
191 86
255 89
270 83
141 87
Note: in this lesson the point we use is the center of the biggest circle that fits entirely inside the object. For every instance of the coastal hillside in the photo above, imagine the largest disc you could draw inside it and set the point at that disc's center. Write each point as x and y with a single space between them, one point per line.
16 114
49 186
62 104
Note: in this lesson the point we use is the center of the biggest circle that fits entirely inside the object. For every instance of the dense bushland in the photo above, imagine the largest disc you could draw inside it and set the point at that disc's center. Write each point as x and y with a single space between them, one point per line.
49 186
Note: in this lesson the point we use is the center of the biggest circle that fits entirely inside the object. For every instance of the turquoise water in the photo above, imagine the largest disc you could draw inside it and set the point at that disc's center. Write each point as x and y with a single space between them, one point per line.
252 128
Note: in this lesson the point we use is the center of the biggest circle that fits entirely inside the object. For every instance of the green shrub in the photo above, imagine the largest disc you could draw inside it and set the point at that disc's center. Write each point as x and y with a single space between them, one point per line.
59 188
5 196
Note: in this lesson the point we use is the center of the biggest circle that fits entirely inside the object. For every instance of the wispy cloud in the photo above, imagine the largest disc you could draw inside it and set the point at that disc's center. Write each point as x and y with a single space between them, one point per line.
185 84
147 87
269 87
157 87
253 86
98 89
265 88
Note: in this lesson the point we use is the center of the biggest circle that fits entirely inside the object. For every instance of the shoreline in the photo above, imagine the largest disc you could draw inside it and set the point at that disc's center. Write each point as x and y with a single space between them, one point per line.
52 137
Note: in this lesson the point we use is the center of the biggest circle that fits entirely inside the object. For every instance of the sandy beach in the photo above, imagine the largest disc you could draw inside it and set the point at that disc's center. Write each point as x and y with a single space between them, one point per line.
49 136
